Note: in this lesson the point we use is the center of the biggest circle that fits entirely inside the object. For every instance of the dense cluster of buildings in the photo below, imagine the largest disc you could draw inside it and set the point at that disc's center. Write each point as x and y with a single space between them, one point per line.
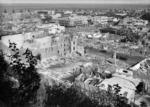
80 37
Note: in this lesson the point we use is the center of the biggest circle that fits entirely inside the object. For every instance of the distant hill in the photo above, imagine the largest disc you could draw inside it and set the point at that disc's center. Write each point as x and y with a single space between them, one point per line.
146 16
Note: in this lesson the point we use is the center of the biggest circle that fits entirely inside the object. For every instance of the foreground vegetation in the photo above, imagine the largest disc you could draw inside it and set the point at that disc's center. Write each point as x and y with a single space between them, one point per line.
59 95
19 81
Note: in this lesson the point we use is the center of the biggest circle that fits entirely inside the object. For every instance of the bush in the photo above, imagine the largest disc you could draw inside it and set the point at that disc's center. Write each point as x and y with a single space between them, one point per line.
146 16
62 96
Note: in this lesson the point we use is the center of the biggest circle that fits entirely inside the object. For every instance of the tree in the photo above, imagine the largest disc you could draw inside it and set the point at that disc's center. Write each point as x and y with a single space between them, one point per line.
5 91
90 22
19 81
140 87
62 96
20 11
5 11
143 104
59 94
28 10
146 16
13 11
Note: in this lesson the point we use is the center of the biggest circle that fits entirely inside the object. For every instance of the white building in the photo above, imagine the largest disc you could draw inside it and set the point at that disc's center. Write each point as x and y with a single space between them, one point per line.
78 20
52 28
56 16
127 87
134 21
51 12
101 19
47 46
125 72
68 12
140 22
18 39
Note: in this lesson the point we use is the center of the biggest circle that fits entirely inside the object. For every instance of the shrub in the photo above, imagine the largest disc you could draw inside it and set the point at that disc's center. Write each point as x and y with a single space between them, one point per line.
62 96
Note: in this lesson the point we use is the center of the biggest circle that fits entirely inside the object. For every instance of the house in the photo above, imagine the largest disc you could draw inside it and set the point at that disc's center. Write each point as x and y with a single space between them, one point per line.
78 20
64 22
127 88
52 28
140 22
125 72
17 38
141 70
56 16
134 21
5 49
101 19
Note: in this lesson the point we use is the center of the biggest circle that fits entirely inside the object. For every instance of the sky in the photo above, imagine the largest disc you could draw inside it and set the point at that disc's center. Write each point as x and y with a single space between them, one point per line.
78 1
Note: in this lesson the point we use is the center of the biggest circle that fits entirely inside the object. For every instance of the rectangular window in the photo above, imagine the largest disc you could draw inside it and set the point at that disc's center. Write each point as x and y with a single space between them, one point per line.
125 71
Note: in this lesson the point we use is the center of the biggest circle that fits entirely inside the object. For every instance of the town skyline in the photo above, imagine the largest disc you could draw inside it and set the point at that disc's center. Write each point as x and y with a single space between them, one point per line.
81 53
78 1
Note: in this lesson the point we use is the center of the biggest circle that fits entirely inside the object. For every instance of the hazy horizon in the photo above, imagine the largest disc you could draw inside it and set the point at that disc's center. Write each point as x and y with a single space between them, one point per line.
77 1
51 6
80 3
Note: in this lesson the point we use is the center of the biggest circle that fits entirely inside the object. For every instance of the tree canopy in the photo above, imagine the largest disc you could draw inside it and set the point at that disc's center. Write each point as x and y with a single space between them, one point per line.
19 81
13 11
146 16
62 96
5 11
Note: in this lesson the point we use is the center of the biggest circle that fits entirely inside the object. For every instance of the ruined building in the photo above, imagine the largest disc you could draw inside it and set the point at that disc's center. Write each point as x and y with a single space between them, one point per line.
48 46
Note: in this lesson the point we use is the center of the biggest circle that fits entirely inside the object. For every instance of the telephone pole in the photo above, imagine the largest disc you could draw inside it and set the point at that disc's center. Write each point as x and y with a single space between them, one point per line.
114 57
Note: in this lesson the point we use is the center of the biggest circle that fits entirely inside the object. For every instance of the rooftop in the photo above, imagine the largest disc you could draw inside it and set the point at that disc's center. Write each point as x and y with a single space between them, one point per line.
121 82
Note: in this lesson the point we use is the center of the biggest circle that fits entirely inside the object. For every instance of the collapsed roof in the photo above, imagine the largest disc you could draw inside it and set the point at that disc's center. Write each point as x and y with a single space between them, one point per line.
143 66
